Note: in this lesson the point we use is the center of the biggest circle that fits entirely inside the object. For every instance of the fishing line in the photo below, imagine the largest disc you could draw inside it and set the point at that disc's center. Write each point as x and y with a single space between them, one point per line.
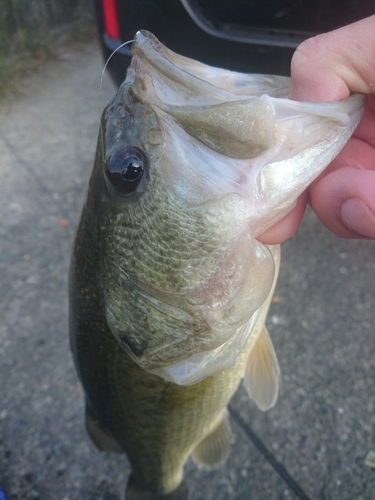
279 468
109 58
101 82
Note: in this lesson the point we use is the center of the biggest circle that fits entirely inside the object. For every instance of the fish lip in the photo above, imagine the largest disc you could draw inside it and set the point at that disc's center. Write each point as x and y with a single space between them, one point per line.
194 75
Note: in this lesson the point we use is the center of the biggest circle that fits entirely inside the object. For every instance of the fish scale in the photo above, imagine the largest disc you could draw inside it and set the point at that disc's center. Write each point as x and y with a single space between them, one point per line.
158 258
169 287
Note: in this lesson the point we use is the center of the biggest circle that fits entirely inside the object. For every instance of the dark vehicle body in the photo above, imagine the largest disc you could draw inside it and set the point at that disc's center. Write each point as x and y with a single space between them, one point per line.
252 36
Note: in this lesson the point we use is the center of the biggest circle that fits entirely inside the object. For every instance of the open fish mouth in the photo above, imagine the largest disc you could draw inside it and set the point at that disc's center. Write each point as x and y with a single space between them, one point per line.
228 156
236 133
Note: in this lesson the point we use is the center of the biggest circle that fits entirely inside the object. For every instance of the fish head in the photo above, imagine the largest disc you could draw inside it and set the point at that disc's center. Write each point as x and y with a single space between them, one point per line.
193 164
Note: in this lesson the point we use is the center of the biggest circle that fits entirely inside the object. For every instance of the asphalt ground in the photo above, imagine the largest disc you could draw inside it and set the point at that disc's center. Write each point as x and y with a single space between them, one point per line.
313 444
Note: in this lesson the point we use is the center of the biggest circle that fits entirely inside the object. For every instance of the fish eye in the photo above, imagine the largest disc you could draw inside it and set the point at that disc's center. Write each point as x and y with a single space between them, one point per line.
126 168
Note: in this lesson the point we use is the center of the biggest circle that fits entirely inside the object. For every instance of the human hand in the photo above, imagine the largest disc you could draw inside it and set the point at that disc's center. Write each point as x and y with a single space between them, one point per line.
329 67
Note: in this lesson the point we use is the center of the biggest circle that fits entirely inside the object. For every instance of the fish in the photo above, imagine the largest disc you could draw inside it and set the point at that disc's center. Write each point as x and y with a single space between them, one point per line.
169 285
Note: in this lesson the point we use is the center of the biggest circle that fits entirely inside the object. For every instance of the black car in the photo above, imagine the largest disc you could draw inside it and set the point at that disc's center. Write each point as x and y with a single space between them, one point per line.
253 36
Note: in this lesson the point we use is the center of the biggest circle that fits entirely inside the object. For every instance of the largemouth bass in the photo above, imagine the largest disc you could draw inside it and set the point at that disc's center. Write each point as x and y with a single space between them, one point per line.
169 286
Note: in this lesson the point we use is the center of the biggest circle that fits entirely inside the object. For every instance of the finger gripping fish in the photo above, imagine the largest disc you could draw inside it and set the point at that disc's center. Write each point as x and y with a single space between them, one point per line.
169 286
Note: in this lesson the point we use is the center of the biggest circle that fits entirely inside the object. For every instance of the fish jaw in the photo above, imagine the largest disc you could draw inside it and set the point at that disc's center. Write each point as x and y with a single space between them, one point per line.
278 146
228 157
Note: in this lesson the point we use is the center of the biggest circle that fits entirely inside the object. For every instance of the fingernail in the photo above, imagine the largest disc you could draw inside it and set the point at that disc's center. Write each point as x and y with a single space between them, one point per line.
358 217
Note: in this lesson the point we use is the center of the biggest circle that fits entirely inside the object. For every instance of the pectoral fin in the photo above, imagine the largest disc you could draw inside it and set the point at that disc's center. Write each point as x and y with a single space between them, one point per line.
214 448
262 372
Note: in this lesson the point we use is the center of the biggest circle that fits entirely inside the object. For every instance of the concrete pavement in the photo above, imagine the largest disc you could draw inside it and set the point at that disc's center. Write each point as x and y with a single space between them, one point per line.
322 323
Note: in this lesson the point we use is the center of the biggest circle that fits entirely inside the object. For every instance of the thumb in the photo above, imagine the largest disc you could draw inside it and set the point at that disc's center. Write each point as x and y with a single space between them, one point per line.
330 66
